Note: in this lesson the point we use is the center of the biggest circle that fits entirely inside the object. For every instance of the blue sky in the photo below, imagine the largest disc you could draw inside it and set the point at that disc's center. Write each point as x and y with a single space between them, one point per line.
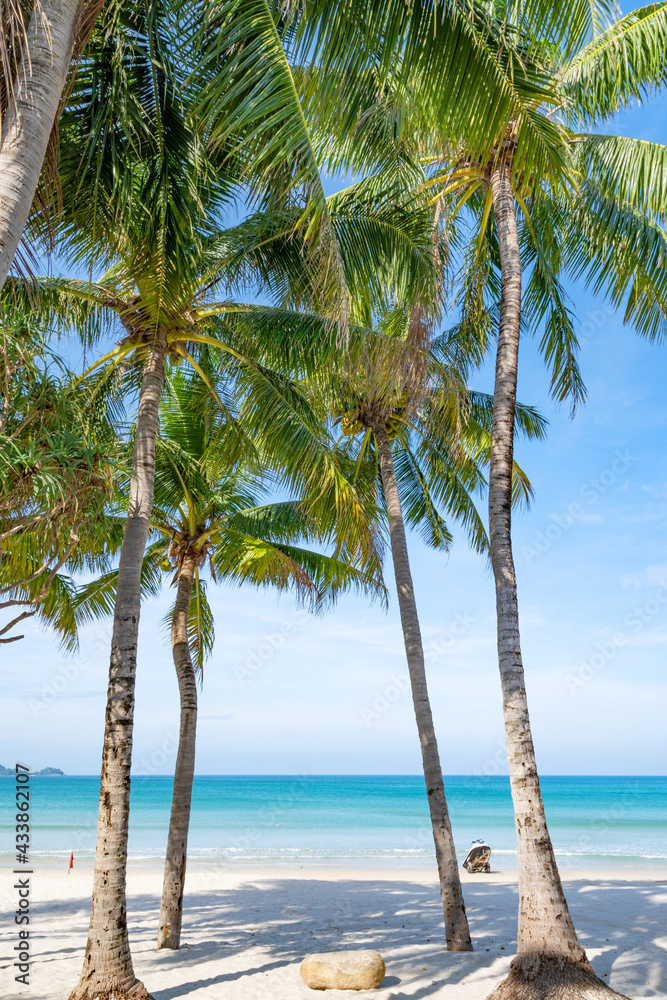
286 692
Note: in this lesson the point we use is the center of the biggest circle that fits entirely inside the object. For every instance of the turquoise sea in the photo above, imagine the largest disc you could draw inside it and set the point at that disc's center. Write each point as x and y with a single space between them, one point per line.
351 820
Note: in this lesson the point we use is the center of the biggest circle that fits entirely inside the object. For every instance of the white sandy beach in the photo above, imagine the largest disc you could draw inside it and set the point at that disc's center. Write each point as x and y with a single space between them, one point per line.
246 931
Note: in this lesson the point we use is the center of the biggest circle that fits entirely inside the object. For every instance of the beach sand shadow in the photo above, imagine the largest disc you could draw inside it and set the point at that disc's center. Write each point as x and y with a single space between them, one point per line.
620 923
247 941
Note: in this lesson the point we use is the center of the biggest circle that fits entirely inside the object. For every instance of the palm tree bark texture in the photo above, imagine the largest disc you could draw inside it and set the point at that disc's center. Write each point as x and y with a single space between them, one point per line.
30 116
550 962
456 923
171 909
107 965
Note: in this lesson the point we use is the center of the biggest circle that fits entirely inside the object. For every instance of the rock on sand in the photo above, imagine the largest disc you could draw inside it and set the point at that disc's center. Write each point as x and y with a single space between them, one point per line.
343 970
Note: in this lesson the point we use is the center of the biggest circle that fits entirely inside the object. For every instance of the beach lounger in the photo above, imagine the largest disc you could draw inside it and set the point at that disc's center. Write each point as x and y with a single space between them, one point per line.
478 857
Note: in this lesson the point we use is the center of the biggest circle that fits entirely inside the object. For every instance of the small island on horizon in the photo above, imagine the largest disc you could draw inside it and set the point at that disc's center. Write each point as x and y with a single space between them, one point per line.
9 772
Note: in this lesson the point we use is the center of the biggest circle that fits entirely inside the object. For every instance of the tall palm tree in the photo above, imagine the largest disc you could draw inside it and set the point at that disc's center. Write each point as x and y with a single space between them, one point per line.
142 196
385 381
123 103
205 513
405 411
593 237
590 211
34 67
35 60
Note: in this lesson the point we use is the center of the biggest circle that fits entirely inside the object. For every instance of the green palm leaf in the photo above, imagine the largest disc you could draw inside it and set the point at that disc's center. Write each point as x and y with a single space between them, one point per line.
625 61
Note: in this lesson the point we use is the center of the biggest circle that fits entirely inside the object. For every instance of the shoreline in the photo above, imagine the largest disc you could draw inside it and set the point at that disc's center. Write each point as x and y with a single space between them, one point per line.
426 874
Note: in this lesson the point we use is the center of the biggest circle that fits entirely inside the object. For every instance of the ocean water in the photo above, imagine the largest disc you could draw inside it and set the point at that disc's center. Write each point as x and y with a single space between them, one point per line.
350 820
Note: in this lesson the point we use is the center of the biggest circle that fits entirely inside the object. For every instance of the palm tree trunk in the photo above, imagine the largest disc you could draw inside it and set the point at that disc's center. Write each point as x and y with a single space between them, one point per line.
171 909
456 923
549 954
107 965
30 116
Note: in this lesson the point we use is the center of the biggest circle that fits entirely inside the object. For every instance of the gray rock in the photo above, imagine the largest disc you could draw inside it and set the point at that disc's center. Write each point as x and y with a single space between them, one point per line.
343 970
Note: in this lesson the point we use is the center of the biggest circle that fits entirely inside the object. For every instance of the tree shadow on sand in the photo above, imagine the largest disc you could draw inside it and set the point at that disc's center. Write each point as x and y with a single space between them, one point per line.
403 920
264 926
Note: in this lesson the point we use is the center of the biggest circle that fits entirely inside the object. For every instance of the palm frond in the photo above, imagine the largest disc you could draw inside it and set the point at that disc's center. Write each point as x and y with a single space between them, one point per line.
96 599
619 252
250 101
623 62
632 170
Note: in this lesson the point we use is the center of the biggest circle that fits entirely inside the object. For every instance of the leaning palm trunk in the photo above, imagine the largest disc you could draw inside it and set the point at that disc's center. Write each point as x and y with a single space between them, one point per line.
171 909
456 923
30 115
107 966
550 962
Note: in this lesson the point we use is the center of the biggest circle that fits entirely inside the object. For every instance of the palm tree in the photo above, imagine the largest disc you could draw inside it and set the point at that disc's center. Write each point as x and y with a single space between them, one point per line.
424 436
131 159
387 381
590 212
142 197
35 60
205 513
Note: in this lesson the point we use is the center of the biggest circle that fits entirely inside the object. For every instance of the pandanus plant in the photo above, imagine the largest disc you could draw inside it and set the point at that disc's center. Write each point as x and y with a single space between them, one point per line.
208 520
59 460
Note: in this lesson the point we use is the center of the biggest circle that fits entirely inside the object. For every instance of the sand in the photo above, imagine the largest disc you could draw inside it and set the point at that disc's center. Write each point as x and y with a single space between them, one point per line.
246 930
